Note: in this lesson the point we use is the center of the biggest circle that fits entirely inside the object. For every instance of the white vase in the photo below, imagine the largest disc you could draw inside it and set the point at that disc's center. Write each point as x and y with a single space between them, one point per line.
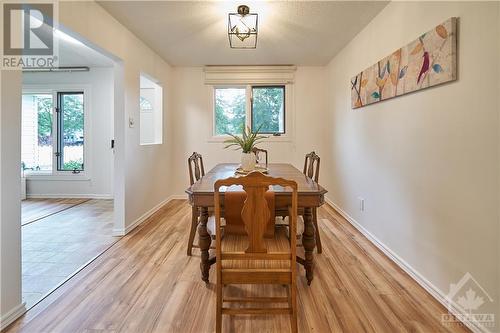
248 161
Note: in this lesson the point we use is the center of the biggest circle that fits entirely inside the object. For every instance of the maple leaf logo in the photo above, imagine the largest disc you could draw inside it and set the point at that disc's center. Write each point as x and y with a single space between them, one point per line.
471 301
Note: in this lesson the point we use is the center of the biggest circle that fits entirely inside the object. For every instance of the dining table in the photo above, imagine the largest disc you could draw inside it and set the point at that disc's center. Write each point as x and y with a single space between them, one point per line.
310 195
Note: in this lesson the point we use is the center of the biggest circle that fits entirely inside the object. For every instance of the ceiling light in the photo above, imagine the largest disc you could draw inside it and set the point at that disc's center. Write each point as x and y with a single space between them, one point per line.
242 29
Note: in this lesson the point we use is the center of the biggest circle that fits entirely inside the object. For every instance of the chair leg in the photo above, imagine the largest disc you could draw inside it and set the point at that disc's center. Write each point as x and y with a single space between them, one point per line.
192 232
318 239
218 315
293 301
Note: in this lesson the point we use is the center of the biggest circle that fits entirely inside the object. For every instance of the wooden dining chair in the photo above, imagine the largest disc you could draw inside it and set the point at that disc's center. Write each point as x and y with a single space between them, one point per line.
196 171
252 259
311 166
311 170
258 152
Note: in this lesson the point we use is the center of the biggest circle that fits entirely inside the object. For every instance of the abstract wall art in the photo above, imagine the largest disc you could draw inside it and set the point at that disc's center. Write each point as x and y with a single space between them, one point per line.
429 60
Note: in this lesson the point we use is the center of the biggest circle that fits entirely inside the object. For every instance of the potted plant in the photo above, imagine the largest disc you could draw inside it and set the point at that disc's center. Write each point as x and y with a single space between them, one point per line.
246 143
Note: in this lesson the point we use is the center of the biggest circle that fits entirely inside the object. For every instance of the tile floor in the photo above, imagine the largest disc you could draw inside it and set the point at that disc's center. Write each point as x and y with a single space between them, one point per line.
57 246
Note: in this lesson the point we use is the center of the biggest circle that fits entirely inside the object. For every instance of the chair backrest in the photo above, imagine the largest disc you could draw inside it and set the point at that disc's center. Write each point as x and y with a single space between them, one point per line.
255 214
258 152
311 166
195 161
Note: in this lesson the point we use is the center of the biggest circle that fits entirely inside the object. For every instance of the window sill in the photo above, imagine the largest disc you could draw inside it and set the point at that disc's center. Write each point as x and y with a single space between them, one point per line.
150 144
222 138
59 177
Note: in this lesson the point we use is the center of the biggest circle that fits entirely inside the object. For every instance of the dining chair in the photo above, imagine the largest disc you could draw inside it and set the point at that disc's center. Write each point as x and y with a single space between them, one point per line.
258 152
250 258
311 170
196 171
311 166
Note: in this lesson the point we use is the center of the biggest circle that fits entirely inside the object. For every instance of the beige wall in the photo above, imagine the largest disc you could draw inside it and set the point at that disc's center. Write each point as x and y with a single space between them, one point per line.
427 163
10 191
145 172
498 203
192 125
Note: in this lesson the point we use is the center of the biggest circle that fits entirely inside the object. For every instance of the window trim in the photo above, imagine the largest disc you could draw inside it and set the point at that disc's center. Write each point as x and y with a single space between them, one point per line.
60 128
54 89
289 111
283 87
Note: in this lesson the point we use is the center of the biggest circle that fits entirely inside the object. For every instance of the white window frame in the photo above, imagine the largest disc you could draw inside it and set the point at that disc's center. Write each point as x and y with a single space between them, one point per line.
289 111
55 174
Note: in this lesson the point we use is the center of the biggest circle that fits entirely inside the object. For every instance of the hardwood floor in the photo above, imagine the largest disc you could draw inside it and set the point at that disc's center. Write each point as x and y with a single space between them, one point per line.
35 209
146 283
58 245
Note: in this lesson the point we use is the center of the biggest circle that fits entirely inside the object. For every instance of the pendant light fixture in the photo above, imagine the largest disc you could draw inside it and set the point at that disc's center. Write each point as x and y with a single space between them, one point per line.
242 29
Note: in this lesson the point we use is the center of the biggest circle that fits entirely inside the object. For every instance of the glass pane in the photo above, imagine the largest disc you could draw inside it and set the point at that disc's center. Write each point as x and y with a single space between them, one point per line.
72 134
268 109
36 151
145 103
229 110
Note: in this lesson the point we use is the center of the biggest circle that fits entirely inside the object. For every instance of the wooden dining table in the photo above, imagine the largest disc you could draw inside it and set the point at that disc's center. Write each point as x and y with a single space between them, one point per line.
310 195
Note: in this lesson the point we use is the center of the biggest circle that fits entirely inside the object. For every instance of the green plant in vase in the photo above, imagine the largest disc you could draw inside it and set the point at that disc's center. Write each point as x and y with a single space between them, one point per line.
246 142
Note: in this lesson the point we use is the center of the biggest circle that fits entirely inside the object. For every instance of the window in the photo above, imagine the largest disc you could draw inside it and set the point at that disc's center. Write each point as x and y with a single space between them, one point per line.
230 113
70 131
53 132
151 112
268 109
258 107
37 128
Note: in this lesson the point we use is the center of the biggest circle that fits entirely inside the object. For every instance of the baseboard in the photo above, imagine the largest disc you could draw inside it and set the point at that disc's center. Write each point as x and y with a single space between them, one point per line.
144 217
178 197
12 315
435 292
69 196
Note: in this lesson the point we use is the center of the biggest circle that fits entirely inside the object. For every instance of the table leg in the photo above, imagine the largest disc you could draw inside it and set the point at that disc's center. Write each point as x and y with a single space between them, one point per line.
309 242
204 243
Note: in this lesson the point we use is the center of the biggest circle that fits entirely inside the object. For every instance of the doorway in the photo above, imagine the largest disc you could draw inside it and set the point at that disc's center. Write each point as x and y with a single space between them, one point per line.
67 159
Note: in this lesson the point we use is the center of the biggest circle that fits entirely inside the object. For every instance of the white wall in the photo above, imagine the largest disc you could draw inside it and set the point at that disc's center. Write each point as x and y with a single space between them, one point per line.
10 205
427 163
99 163
192 125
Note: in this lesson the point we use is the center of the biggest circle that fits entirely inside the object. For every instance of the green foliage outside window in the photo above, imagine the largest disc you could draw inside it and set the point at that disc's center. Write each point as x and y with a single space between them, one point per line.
73 165
44 107
73 116
268 109
229 110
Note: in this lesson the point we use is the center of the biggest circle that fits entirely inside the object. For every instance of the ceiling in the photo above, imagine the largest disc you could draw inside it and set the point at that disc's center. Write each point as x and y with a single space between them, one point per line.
194 33
73 53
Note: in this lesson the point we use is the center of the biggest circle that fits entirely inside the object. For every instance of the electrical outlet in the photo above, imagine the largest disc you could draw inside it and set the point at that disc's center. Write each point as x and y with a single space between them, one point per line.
361 204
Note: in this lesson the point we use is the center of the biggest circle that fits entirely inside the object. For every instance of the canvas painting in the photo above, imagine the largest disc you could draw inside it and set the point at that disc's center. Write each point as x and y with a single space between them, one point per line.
429 60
